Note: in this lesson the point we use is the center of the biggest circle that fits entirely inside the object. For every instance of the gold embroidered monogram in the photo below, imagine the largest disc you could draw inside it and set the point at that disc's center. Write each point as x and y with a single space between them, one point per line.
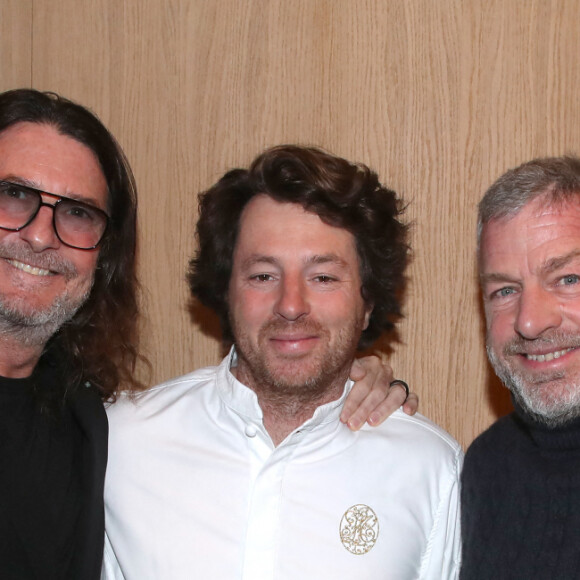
359 529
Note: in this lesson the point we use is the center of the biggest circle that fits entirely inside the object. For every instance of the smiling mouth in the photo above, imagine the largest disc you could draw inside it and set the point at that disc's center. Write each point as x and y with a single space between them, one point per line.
29 269
293 346
548 356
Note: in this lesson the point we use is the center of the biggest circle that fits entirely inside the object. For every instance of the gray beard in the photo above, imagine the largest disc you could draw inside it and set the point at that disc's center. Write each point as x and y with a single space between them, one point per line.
35 329
550 411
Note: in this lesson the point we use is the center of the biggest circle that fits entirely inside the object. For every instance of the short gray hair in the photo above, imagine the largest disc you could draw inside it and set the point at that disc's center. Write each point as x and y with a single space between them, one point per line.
556 177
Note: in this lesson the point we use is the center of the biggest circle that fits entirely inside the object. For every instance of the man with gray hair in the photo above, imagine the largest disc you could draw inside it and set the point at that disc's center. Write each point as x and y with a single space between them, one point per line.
521 481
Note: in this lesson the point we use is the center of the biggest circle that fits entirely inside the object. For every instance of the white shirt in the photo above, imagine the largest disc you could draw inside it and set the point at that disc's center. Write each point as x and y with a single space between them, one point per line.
195 489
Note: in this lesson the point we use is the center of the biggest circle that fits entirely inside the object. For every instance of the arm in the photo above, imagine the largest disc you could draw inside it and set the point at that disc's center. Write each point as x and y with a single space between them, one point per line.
372 398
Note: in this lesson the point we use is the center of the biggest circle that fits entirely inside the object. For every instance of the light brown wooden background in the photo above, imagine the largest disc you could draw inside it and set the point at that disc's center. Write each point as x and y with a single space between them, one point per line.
439 96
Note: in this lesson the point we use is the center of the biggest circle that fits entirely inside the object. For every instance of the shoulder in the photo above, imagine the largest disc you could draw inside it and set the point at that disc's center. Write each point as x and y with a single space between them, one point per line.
486 457
87 407
419 436
160 396
417 427
87 396
502 432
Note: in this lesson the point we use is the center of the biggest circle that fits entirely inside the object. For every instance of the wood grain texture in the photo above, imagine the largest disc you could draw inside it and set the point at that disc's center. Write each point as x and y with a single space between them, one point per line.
439 97
15 43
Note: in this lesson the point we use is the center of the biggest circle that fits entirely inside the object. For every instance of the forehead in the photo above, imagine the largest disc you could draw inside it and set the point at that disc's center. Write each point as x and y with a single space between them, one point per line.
538 233
279 228
40 155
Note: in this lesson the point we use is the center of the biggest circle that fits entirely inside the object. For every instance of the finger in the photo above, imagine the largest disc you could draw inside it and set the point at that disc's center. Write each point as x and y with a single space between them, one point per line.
352 406
358 370
367 408
411 404
395 398
403 385
372 378
374 371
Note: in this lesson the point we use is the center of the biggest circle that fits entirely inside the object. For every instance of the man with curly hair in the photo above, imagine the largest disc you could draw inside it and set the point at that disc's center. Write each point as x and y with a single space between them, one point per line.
245 470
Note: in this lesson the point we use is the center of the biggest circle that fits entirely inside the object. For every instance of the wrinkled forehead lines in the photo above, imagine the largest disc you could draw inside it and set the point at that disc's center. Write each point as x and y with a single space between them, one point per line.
541 236
543 203
41 156
533 210
532 213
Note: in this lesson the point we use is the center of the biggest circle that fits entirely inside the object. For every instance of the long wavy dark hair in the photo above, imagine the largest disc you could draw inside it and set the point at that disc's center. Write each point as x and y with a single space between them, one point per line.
100 343
341 193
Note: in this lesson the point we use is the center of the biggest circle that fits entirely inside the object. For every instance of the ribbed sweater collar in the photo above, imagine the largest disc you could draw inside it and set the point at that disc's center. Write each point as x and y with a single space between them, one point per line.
566 437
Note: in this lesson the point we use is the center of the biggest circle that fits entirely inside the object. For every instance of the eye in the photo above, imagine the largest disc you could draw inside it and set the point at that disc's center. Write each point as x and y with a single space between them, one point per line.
261 277
324 279
79 212
569 280
14 193
73 211
502 292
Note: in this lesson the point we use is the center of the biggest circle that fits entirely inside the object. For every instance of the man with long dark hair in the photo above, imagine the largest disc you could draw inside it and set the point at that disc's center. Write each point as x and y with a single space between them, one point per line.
68 336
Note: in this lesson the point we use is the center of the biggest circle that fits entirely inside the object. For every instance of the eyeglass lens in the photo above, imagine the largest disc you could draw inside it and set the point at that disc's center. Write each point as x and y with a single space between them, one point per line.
77 224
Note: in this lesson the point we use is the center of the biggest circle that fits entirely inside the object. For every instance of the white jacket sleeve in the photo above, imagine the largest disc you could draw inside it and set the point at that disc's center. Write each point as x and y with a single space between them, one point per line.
442 558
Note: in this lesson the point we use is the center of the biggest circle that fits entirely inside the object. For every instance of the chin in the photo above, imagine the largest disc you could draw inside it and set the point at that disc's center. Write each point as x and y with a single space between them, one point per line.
552 404
295 380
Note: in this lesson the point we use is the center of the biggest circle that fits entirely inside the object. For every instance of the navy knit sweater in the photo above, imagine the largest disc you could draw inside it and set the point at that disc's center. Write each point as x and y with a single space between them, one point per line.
521 502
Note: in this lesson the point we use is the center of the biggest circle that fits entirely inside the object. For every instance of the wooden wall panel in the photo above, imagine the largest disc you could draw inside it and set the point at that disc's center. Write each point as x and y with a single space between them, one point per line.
15 43
439 97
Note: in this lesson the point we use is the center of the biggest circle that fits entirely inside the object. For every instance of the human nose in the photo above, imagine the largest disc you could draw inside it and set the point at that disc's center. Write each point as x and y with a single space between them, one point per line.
538 311
292 301
40 233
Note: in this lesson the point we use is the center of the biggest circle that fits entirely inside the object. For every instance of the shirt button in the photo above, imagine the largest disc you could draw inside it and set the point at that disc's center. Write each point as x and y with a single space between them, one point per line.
250 431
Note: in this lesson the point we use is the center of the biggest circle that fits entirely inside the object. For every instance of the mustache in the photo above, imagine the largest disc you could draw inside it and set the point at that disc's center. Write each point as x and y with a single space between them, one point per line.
305 325
556 340
47 260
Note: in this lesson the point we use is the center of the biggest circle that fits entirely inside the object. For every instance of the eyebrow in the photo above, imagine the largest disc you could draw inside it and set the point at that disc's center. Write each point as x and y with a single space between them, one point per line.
495 277
316 259
35 185
560 261
326 258
551 265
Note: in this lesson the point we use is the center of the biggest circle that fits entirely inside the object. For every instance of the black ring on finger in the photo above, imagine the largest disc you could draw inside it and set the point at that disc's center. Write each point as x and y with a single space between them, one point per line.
402 384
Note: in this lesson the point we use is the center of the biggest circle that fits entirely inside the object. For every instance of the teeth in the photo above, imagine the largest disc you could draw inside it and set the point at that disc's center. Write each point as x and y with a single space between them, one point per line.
549 356
29 269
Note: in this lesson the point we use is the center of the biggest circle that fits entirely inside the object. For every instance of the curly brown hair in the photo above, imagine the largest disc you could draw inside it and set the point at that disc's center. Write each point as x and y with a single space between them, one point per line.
100 343
341 193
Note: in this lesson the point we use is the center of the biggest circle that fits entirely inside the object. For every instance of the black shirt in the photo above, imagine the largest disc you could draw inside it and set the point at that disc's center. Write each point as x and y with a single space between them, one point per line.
48 504
521 502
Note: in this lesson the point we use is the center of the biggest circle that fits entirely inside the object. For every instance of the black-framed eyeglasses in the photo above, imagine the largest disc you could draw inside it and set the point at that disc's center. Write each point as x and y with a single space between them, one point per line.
77 224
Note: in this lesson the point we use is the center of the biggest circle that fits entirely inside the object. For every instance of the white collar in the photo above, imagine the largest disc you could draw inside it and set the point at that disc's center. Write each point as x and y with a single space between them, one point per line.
244 401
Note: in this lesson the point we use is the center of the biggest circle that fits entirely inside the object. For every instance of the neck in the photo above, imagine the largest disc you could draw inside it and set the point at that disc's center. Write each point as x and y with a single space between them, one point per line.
562 437
17 361
286 407
281 419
